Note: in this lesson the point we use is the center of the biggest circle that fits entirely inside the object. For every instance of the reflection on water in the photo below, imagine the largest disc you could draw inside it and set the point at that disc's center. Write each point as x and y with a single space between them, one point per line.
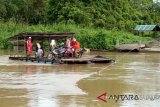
41 83
24 84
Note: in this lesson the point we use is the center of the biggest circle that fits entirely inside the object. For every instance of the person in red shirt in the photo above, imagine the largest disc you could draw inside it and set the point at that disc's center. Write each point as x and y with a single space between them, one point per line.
68 46
73 42
29 46
76 46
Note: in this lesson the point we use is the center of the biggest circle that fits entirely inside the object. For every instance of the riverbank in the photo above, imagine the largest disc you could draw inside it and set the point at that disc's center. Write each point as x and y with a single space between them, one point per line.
89 37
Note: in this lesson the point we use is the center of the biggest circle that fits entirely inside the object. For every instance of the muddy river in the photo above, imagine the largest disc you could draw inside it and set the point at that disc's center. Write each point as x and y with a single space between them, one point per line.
133 81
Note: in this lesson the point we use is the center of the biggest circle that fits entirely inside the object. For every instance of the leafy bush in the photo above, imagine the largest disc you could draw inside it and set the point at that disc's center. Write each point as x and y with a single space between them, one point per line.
89 37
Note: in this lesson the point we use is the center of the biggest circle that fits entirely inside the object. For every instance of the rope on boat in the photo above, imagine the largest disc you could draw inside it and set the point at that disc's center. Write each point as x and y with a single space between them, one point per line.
111 64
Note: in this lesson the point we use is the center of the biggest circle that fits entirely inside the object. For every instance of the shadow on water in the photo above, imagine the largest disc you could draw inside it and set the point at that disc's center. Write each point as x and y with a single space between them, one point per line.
24 84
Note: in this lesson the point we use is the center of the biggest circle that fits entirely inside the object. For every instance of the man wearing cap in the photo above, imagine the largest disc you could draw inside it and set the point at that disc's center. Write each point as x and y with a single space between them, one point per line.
29 46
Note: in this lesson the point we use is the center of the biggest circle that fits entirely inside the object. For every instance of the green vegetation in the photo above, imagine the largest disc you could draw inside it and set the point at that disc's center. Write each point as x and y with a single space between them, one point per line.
108 14
88 37
95 22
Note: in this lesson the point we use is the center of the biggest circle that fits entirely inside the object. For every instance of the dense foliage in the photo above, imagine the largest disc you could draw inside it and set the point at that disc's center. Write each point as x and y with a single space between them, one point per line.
89 37
108 14
99 23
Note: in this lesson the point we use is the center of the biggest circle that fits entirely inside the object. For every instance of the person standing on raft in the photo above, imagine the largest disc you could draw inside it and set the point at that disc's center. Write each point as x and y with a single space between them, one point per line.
53 46
68 47
29 47
39 51
76 45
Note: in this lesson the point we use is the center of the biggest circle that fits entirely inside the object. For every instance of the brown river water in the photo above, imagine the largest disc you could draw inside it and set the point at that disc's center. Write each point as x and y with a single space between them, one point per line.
26 84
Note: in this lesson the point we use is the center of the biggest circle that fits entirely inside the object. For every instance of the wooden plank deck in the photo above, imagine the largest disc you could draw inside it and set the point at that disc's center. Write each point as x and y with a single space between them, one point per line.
84 60
32 59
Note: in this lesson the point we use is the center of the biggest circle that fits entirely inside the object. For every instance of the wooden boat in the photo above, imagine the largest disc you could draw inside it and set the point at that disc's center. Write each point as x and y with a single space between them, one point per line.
21 47
130 47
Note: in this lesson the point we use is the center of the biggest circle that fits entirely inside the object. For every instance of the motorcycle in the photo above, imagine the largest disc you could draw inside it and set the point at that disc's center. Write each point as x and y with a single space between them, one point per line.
62 52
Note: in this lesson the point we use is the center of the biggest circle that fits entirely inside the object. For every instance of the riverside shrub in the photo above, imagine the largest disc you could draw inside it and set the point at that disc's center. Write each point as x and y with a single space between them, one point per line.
89 37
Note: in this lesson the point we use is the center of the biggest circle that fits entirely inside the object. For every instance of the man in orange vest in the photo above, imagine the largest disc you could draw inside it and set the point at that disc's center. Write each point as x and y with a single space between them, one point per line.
76 45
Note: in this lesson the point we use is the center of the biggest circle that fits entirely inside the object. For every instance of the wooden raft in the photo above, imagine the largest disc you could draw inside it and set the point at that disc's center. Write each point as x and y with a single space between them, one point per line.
96 59
31 59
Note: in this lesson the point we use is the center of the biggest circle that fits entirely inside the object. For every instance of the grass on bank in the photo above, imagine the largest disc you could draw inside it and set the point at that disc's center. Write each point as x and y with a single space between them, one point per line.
89 37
